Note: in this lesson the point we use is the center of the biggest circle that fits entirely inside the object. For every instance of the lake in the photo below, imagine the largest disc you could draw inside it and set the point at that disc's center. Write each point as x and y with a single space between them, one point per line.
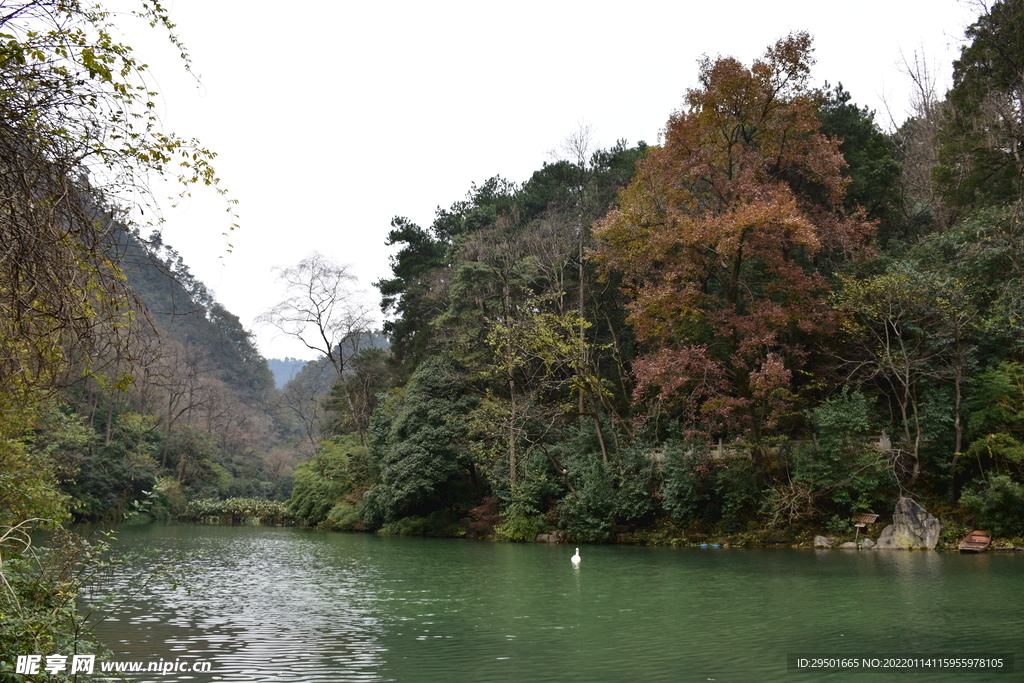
285 604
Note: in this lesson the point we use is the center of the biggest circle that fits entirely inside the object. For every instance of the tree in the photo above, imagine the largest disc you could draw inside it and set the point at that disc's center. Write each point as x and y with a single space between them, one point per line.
420 444
371 375
871 164
409 295
537 364
906 326
179 375
304 396
325 313
725 236
78 133
79 138
982 139
916 146
997 420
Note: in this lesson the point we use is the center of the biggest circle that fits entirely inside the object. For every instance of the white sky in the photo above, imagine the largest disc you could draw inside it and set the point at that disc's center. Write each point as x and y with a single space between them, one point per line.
332 117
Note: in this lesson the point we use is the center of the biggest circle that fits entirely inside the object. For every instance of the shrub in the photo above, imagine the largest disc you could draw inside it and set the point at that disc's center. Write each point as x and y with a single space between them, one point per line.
521 522
442 523
344 517
998 507
238 510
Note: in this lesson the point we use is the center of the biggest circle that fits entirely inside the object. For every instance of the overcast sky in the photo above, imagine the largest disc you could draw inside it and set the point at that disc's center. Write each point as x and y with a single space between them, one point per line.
332 117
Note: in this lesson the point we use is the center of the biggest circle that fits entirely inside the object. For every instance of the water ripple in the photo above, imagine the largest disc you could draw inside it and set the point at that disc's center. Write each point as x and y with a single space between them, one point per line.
292 605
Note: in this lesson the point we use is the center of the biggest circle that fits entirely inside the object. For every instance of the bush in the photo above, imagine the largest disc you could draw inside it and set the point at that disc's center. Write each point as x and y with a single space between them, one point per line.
238 510
521 522
633 483
344 517
419 446
587 514
999 507
39 611
326 480
441 523
690 478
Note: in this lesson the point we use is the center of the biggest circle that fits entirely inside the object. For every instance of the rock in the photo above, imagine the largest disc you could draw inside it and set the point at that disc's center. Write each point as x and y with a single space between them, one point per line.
849 545
912 528
868 543
824 541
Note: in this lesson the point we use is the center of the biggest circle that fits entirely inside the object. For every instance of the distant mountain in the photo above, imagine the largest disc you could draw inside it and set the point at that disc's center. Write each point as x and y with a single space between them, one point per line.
285 369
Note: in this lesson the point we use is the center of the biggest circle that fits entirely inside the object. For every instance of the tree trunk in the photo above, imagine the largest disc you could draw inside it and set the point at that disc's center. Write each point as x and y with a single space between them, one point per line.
958 426
512 432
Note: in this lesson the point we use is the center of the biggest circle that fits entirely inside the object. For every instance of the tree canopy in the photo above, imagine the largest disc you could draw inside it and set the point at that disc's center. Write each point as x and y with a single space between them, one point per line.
725 236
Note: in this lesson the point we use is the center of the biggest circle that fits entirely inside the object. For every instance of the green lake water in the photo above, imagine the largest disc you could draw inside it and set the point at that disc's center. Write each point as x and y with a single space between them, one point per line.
282 604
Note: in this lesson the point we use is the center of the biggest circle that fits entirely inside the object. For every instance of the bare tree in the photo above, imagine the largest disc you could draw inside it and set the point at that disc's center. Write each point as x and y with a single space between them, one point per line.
326 312
917 141
179 376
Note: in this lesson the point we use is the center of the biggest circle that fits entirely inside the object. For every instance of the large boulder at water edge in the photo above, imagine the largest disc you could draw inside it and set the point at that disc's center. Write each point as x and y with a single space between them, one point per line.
824 541
912 528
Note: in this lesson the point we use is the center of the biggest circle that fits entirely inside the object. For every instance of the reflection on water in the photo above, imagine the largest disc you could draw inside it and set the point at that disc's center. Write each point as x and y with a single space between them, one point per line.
271 604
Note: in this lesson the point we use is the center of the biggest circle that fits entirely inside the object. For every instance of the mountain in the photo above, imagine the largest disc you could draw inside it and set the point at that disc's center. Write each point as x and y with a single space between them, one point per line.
285 369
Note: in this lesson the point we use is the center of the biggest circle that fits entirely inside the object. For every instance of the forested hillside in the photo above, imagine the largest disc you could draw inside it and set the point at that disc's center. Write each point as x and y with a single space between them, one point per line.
778 317
199 418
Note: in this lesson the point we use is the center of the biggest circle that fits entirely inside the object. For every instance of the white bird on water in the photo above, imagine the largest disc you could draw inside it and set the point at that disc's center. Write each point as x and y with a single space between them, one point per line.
576 557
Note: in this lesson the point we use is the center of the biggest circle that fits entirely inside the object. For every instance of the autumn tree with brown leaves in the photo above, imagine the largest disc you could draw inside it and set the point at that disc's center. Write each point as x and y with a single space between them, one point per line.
724 239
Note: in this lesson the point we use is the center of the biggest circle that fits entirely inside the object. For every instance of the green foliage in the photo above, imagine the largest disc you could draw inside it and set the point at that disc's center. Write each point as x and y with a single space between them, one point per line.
635 482
167 502
419 444
320 485
998 401
985 252
689 480
521 521
979 158
344 517
238 510
408 294
740 490
588 513
721 493
998 506
39 613
840 425
442 523
197 463
997 418
30 473
369 374
121 469
871 164
842 471
523 517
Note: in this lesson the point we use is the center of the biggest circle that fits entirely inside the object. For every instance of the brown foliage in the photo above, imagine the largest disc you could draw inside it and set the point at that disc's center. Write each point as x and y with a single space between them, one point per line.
723 235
